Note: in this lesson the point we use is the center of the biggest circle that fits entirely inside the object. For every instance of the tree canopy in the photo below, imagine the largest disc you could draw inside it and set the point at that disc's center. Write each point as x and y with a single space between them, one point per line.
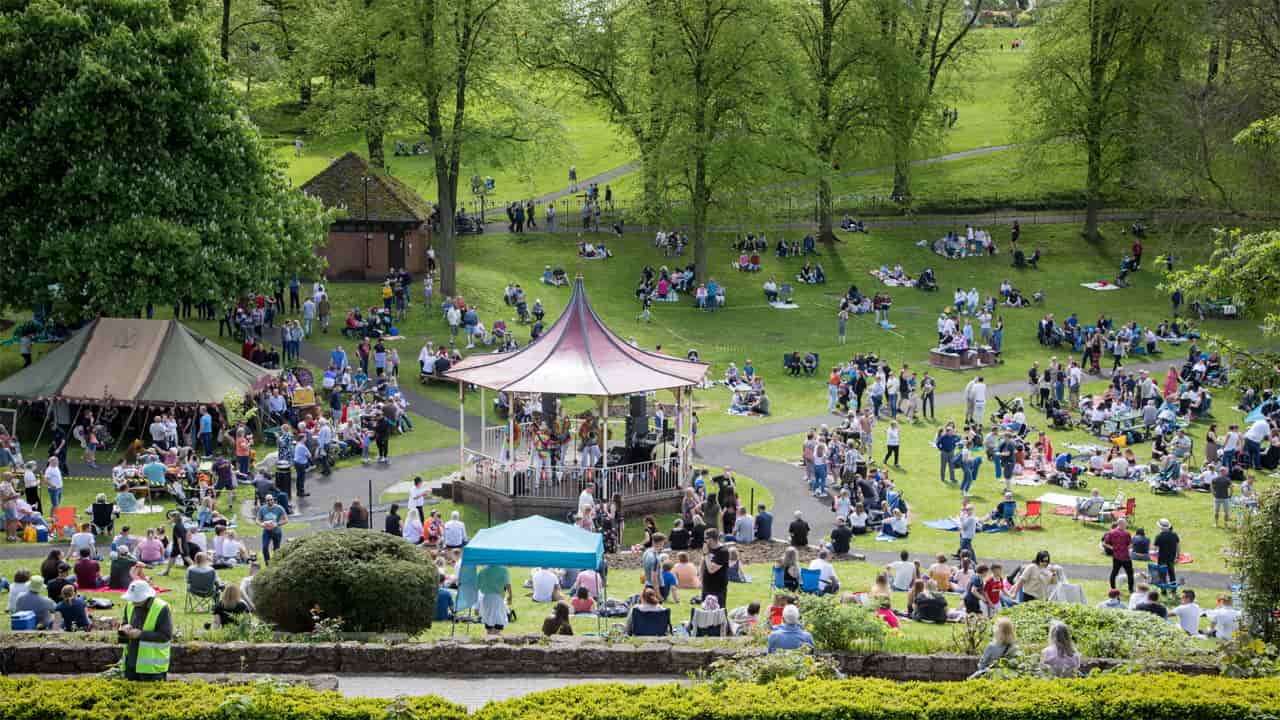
131 176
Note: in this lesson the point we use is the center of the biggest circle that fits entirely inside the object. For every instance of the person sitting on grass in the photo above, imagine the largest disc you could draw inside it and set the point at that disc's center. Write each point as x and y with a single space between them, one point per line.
686 572
650 601
34 601
557 623
74 610
88 572
930 605
1002 646
1060 655
790 635
583 603
231 604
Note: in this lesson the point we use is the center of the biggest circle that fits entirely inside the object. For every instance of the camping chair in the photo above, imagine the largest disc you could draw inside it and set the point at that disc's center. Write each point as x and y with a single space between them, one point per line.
1158 575
707 623
650 623
1128 511
785 291
64 516
810 581
1031 515
202 592
779 578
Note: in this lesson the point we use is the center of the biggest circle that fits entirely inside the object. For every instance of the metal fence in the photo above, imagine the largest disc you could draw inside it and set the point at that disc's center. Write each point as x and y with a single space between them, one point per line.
543 480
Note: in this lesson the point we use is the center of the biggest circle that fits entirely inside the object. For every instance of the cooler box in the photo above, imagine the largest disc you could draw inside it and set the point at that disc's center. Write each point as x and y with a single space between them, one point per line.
25 620
42 534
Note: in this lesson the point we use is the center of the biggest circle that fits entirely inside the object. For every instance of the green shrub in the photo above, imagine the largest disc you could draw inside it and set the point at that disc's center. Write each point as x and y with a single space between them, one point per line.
1246 657
760 669
95 699
1103 633
1025 19
841 626
372 581
1121 697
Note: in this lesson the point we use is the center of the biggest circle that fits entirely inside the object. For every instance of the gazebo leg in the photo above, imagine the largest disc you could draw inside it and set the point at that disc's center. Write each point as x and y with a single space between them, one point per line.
462 427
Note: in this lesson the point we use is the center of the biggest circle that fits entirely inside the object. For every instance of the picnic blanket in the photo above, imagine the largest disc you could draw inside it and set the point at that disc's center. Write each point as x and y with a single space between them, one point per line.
947 524
1100 285
885 538
146 510
1060 499
891 281
777 305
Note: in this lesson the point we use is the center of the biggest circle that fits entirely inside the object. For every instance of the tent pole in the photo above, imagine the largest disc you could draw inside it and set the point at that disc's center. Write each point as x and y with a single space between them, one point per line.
511 443
462 427
125 430
604 445
48 410
484 445
680 428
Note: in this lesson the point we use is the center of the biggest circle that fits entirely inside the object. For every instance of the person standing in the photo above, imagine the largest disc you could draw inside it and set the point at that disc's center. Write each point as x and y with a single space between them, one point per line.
494 585
1221 485
271 518
573 178
927 387
842 320
979 400
308 316
31 485
301 459
24 349
968 531
715 568
893 440
968 400
146 630
1168 545
53 482
1117 543
206 432
946 444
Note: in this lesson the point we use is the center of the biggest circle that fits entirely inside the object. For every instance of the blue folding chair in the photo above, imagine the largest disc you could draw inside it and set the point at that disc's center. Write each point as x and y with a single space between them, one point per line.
779 578
1159 576
650 623
809 581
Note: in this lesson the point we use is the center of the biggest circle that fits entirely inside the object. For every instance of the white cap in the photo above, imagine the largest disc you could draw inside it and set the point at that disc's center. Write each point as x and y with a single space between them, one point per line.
139 591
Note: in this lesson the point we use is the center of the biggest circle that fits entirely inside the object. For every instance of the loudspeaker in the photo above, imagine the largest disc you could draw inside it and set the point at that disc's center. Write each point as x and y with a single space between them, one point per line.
639 406
549 407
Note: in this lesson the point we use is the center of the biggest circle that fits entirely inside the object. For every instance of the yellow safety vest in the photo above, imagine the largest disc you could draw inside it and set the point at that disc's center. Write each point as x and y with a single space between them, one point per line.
153 657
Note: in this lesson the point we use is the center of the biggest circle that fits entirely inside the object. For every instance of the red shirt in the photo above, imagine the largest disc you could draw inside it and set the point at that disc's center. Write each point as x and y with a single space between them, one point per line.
1119 540
992 589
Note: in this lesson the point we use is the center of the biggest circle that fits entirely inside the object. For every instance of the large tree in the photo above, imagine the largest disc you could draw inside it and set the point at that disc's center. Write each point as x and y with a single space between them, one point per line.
455 79
130 176
716 78
928 37
613 52
1094 64
832 92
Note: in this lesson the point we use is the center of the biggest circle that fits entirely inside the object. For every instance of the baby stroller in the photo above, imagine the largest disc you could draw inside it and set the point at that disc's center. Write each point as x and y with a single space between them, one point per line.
1059 418
926 281
1166 481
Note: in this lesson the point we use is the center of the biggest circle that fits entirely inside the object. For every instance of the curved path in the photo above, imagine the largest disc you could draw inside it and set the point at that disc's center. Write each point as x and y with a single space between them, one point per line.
782 479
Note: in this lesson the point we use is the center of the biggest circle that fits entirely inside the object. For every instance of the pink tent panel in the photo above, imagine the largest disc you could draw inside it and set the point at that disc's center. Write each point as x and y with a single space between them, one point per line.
578 355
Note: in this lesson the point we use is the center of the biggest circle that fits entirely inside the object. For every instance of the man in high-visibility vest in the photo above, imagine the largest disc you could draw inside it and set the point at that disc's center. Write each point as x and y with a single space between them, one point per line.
146 629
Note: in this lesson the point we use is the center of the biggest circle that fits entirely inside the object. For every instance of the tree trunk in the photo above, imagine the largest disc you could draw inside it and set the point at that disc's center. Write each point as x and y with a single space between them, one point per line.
377 158
304 93
825 232
1093 190
699 200
447 243
224 33
901 178
651 198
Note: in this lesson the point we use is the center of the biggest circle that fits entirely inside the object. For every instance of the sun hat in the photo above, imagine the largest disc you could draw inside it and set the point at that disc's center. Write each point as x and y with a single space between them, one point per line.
1164 523
139 591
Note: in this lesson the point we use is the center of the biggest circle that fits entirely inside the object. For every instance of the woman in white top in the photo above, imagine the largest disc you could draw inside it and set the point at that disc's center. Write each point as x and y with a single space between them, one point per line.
893 438
1060 655
858 520
843 505
412 529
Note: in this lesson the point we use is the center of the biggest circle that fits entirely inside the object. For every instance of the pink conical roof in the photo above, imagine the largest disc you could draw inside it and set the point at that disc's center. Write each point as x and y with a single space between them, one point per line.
578 355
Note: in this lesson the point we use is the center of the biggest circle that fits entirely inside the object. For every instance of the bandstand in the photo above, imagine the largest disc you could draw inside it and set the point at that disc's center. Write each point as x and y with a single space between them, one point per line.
539 457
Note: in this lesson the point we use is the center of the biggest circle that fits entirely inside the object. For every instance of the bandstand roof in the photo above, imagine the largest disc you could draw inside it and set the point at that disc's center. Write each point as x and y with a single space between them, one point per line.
578 355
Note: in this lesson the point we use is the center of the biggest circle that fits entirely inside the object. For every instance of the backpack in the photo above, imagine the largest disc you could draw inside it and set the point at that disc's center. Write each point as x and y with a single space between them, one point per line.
613 608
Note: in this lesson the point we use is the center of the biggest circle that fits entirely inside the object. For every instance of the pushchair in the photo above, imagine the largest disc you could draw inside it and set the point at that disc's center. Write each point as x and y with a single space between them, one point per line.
1165 482
926 281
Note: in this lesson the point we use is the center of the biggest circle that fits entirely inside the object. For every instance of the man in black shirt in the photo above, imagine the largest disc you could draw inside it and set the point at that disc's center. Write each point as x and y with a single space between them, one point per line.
1221 485
726 488
1167 546
715 567
764 523
799 531
1153 606
840 537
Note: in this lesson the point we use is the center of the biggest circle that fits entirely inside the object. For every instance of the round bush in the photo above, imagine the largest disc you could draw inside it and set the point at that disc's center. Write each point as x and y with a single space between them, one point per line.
1102 633
373 581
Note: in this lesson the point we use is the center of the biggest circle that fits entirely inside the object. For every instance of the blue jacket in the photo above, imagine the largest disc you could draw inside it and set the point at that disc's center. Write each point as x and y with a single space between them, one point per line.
789 637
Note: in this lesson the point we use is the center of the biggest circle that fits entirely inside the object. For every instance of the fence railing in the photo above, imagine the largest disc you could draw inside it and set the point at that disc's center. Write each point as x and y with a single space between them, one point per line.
543 480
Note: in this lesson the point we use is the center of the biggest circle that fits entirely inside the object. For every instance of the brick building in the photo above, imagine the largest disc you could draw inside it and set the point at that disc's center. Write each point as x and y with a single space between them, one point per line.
383 224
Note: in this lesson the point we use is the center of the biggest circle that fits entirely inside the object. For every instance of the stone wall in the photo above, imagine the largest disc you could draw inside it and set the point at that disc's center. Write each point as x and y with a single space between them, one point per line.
519 655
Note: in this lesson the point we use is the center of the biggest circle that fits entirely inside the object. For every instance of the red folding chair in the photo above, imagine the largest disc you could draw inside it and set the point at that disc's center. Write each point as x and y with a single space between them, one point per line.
1030 518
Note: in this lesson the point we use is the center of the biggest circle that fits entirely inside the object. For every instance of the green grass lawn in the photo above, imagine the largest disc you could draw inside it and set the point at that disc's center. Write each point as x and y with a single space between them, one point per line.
1069 540
749 328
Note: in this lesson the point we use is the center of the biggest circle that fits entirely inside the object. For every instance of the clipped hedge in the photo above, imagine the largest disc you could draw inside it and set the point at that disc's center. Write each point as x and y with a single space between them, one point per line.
1102 633
1127 697
97 699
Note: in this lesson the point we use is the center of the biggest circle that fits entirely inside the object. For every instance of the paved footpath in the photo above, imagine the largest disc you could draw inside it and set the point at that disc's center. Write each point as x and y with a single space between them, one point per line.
474 692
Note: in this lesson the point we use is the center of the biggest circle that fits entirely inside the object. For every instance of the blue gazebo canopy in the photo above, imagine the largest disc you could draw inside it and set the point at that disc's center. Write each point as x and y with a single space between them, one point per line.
529 542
